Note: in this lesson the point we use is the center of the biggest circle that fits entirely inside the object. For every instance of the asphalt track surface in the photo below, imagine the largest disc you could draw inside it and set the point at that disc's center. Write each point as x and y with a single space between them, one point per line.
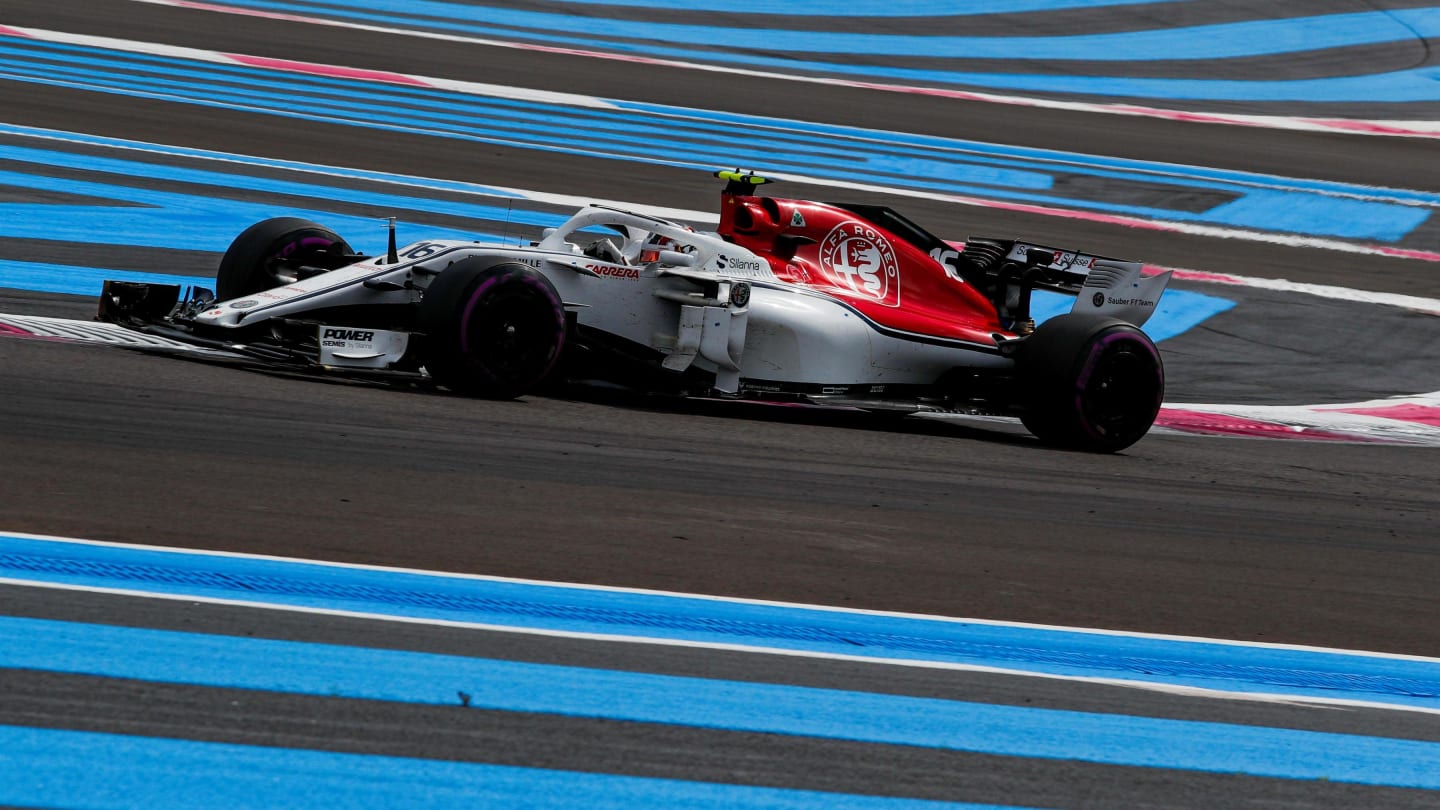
1296 542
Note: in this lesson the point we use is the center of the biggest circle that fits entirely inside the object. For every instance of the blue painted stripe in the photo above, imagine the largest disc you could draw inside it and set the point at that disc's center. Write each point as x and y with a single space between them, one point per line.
872 8
857 139
1219 41
851 142
632 138
673 137
230 181
411 677
145 217
644 141
1282 211
428 596
56 768
232 159
1417 85
88 281
863 156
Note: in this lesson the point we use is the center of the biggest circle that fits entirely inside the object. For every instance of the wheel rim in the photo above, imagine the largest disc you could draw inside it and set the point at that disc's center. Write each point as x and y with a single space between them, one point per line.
510 333
1119 392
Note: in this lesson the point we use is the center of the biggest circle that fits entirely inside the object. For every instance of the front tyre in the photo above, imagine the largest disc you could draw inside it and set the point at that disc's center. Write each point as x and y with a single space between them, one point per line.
491 330
269 254
1090 382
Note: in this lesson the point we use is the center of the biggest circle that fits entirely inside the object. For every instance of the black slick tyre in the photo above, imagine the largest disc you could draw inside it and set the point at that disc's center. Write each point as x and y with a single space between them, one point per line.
1090 383
491 330
265 254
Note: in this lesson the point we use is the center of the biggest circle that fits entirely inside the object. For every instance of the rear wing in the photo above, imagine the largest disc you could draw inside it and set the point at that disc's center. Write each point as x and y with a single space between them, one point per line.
1101 285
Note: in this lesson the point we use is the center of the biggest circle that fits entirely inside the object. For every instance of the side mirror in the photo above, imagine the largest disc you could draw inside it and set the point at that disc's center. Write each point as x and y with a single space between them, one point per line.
675 258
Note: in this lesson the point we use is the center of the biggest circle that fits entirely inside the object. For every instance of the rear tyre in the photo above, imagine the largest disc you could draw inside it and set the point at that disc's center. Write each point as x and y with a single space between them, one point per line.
1090 383
266 254
492 330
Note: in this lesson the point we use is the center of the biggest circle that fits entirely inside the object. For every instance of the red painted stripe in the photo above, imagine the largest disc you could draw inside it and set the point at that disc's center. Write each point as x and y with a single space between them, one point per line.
1368 127
245 12
1193 275
1220 424
1408 412
1405 253
327 70
7 329
6 30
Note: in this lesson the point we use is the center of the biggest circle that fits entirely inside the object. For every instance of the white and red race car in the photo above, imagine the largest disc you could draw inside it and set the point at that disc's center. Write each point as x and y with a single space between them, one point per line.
790 300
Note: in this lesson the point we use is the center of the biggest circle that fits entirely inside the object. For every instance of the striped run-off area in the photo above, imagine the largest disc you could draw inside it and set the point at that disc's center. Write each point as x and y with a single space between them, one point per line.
1340 65
1134 194
1253 717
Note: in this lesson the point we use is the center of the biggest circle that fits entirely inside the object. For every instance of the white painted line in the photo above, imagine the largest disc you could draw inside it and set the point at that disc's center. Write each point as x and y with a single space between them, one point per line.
1415 303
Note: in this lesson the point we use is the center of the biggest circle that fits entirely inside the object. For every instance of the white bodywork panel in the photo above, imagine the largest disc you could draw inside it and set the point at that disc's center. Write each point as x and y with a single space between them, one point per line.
803 338
302 294
361 348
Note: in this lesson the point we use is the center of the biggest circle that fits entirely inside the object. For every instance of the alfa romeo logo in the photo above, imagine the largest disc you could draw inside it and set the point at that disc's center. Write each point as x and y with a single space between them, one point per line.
858 258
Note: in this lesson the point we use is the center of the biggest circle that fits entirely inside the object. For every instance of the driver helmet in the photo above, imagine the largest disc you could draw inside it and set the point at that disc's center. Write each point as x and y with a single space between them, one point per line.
650 253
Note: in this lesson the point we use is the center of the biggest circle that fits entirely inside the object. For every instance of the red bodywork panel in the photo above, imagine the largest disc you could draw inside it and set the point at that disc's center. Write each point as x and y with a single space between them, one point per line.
841 253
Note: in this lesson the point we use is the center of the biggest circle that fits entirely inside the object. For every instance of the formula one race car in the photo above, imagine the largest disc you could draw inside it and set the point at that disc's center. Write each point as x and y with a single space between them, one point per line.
790 300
